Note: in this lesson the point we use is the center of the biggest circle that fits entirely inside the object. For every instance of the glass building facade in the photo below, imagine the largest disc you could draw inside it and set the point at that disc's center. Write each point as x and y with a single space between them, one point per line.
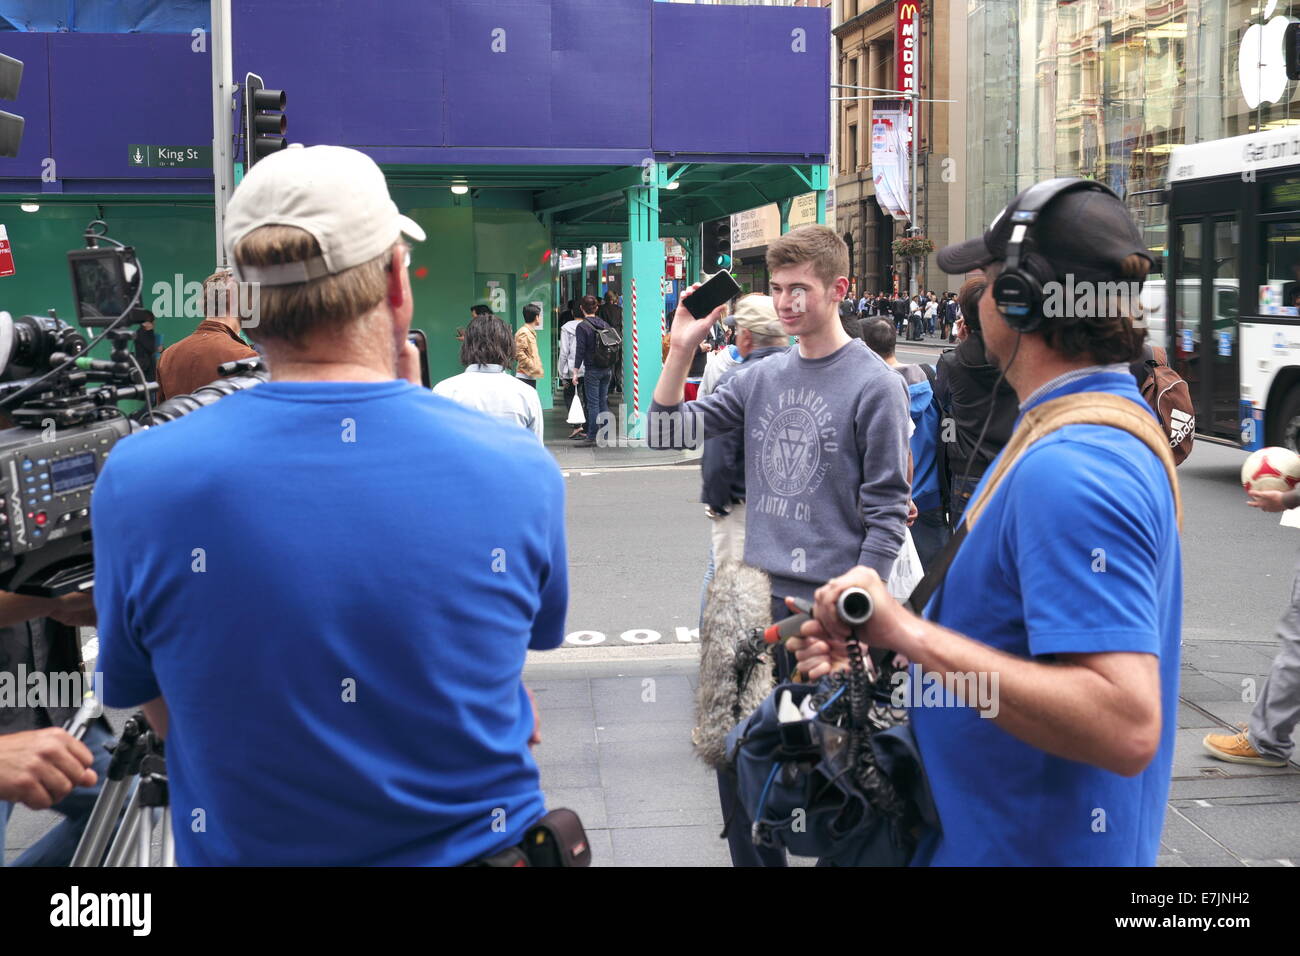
1106 88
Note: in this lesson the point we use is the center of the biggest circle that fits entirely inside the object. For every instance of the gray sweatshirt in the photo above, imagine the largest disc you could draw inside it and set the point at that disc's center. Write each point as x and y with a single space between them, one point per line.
825 461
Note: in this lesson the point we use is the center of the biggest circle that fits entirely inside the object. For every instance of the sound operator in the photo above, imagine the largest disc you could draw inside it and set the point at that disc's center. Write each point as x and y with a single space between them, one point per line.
332 642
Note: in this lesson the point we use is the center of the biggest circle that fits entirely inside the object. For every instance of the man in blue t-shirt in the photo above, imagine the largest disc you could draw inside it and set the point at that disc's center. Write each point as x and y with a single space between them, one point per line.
1045 673
328 612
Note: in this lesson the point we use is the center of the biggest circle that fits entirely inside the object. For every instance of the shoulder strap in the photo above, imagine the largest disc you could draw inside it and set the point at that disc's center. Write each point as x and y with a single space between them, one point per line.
1083 408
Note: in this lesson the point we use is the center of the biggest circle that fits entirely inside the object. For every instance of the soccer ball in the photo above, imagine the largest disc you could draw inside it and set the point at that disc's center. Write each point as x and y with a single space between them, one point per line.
1271 469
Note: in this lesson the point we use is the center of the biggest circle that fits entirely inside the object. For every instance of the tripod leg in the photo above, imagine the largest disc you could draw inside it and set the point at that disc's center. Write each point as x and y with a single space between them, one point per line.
94 840
168 840
119 852
144 836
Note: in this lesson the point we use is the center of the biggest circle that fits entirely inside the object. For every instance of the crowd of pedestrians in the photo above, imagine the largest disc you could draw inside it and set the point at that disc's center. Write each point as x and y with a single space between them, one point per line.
924 314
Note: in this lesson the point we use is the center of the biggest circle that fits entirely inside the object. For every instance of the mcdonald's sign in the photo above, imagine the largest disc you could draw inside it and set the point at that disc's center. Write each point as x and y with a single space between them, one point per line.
907 47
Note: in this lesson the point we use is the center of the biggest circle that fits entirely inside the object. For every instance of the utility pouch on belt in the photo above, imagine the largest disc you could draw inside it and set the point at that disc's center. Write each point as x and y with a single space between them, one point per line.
557 839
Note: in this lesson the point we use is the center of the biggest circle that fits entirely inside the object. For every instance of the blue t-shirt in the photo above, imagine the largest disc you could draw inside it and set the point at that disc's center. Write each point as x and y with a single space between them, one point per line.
1076 553
334 590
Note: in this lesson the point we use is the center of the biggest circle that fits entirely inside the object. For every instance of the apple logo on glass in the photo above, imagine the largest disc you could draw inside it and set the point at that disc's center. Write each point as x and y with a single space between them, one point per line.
1261 62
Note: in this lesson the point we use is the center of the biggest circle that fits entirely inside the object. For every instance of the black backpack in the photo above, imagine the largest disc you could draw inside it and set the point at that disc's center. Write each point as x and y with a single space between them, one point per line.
606 346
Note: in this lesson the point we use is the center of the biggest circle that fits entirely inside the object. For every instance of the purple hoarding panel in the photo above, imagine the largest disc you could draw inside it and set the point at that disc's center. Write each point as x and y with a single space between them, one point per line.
600 69
499 73
355 75
778 57
33 103
109 91
453 81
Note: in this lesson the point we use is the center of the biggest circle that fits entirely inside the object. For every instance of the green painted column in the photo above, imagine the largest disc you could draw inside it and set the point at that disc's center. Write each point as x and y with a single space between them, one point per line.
643 301
600 267
784 206
821 181
691 267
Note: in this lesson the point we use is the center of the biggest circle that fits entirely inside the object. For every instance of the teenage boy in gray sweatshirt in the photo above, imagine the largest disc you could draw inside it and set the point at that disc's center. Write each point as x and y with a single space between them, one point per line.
825 426
826 446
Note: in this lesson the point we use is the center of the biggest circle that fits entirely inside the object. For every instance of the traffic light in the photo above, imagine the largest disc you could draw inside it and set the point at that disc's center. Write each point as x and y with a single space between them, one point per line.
264 121
11 126
717 245
723 230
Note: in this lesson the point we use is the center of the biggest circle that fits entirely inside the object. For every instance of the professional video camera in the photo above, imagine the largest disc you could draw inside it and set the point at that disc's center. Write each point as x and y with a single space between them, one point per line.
63 405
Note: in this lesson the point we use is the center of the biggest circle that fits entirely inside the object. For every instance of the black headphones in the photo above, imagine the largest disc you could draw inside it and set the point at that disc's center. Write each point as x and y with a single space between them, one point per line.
1017 292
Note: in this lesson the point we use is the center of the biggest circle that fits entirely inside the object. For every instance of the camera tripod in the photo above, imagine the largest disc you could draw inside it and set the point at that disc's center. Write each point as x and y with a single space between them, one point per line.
137 753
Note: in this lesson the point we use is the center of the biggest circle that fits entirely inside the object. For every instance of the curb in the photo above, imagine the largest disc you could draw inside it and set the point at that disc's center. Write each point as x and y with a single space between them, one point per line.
693 459
926 344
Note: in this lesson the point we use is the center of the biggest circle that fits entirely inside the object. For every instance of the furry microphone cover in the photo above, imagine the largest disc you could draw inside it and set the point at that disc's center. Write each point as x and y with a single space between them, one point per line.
739 600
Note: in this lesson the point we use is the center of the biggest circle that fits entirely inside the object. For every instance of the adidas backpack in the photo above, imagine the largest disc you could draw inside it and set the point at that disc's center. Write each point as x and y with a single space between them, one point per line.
1170 398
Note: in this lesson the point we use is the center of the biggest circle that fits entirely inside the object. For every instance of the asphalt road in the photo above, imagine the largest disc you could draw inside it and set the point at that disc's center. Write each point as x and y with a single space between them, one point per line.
638 543
638 547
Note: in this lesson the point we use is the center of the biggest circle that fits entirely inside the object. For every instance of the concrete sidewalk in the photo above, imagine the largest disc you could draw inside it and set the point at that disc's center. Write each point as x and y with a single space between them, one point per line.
627 453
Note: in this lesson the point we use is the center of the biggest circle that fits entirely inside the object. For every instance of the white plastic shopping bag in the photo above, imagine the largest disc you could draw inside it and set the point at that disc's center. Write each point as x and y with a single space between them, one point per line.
906 573
576 414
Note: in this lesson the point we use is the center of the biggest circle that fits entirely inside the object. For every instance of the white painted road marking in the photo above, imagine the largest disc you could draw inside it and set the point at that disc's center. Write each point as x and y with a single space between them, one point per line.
635 635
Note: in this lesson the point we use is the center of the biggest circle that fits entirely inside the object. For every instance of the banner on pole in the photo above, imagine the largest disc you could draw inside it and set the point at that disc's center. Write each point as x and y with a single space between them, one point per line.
889 161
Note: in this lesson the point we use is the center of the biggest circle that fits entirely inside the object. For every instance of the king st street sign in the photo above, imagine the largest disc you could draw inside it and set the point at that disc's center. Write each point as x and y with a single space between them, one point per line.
190 157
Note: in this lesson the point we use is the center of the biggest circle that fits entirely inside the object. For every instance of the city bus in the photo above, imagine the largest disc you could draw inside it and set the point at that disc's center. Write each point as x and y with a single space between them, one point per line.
1230 315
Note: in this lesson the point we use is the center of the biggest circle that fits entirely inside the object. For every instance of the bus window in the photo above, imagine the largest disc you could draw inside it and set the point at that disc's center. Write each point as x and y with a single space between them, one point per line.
1282 195
1226 305
1282 265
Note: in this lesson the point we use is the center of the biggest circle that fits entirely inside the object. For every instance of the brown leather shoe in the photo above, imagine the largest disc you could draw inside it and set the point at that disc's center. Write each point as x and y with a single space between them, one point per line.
1236 748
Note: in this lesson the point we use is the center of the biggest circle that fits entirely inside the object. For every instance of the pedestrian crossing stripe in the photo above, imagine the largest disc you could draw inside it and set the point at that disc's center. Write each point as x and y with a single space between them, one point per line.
633 636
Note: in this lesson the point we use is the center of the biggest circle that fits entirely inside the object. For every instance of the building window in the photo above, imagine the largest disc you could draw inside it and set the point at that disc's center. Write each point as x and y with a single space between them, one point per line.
853 147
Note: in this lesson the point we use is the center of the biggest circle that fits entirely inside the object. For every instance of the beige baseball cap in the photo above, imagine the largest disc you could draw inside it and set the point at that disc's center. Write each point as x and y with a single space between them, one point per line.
758 314
338 195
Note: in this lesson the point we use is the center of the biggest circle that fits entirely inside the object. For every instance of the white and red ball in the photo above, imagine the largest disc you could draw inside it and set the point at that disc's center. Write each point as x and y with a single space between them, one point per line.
1271 469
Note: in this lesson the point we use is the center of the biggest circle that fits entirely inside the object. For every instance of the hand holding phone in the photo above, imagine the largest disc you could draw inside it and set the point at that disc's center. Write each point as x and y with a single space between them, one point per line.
720 289
701 306
413 361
